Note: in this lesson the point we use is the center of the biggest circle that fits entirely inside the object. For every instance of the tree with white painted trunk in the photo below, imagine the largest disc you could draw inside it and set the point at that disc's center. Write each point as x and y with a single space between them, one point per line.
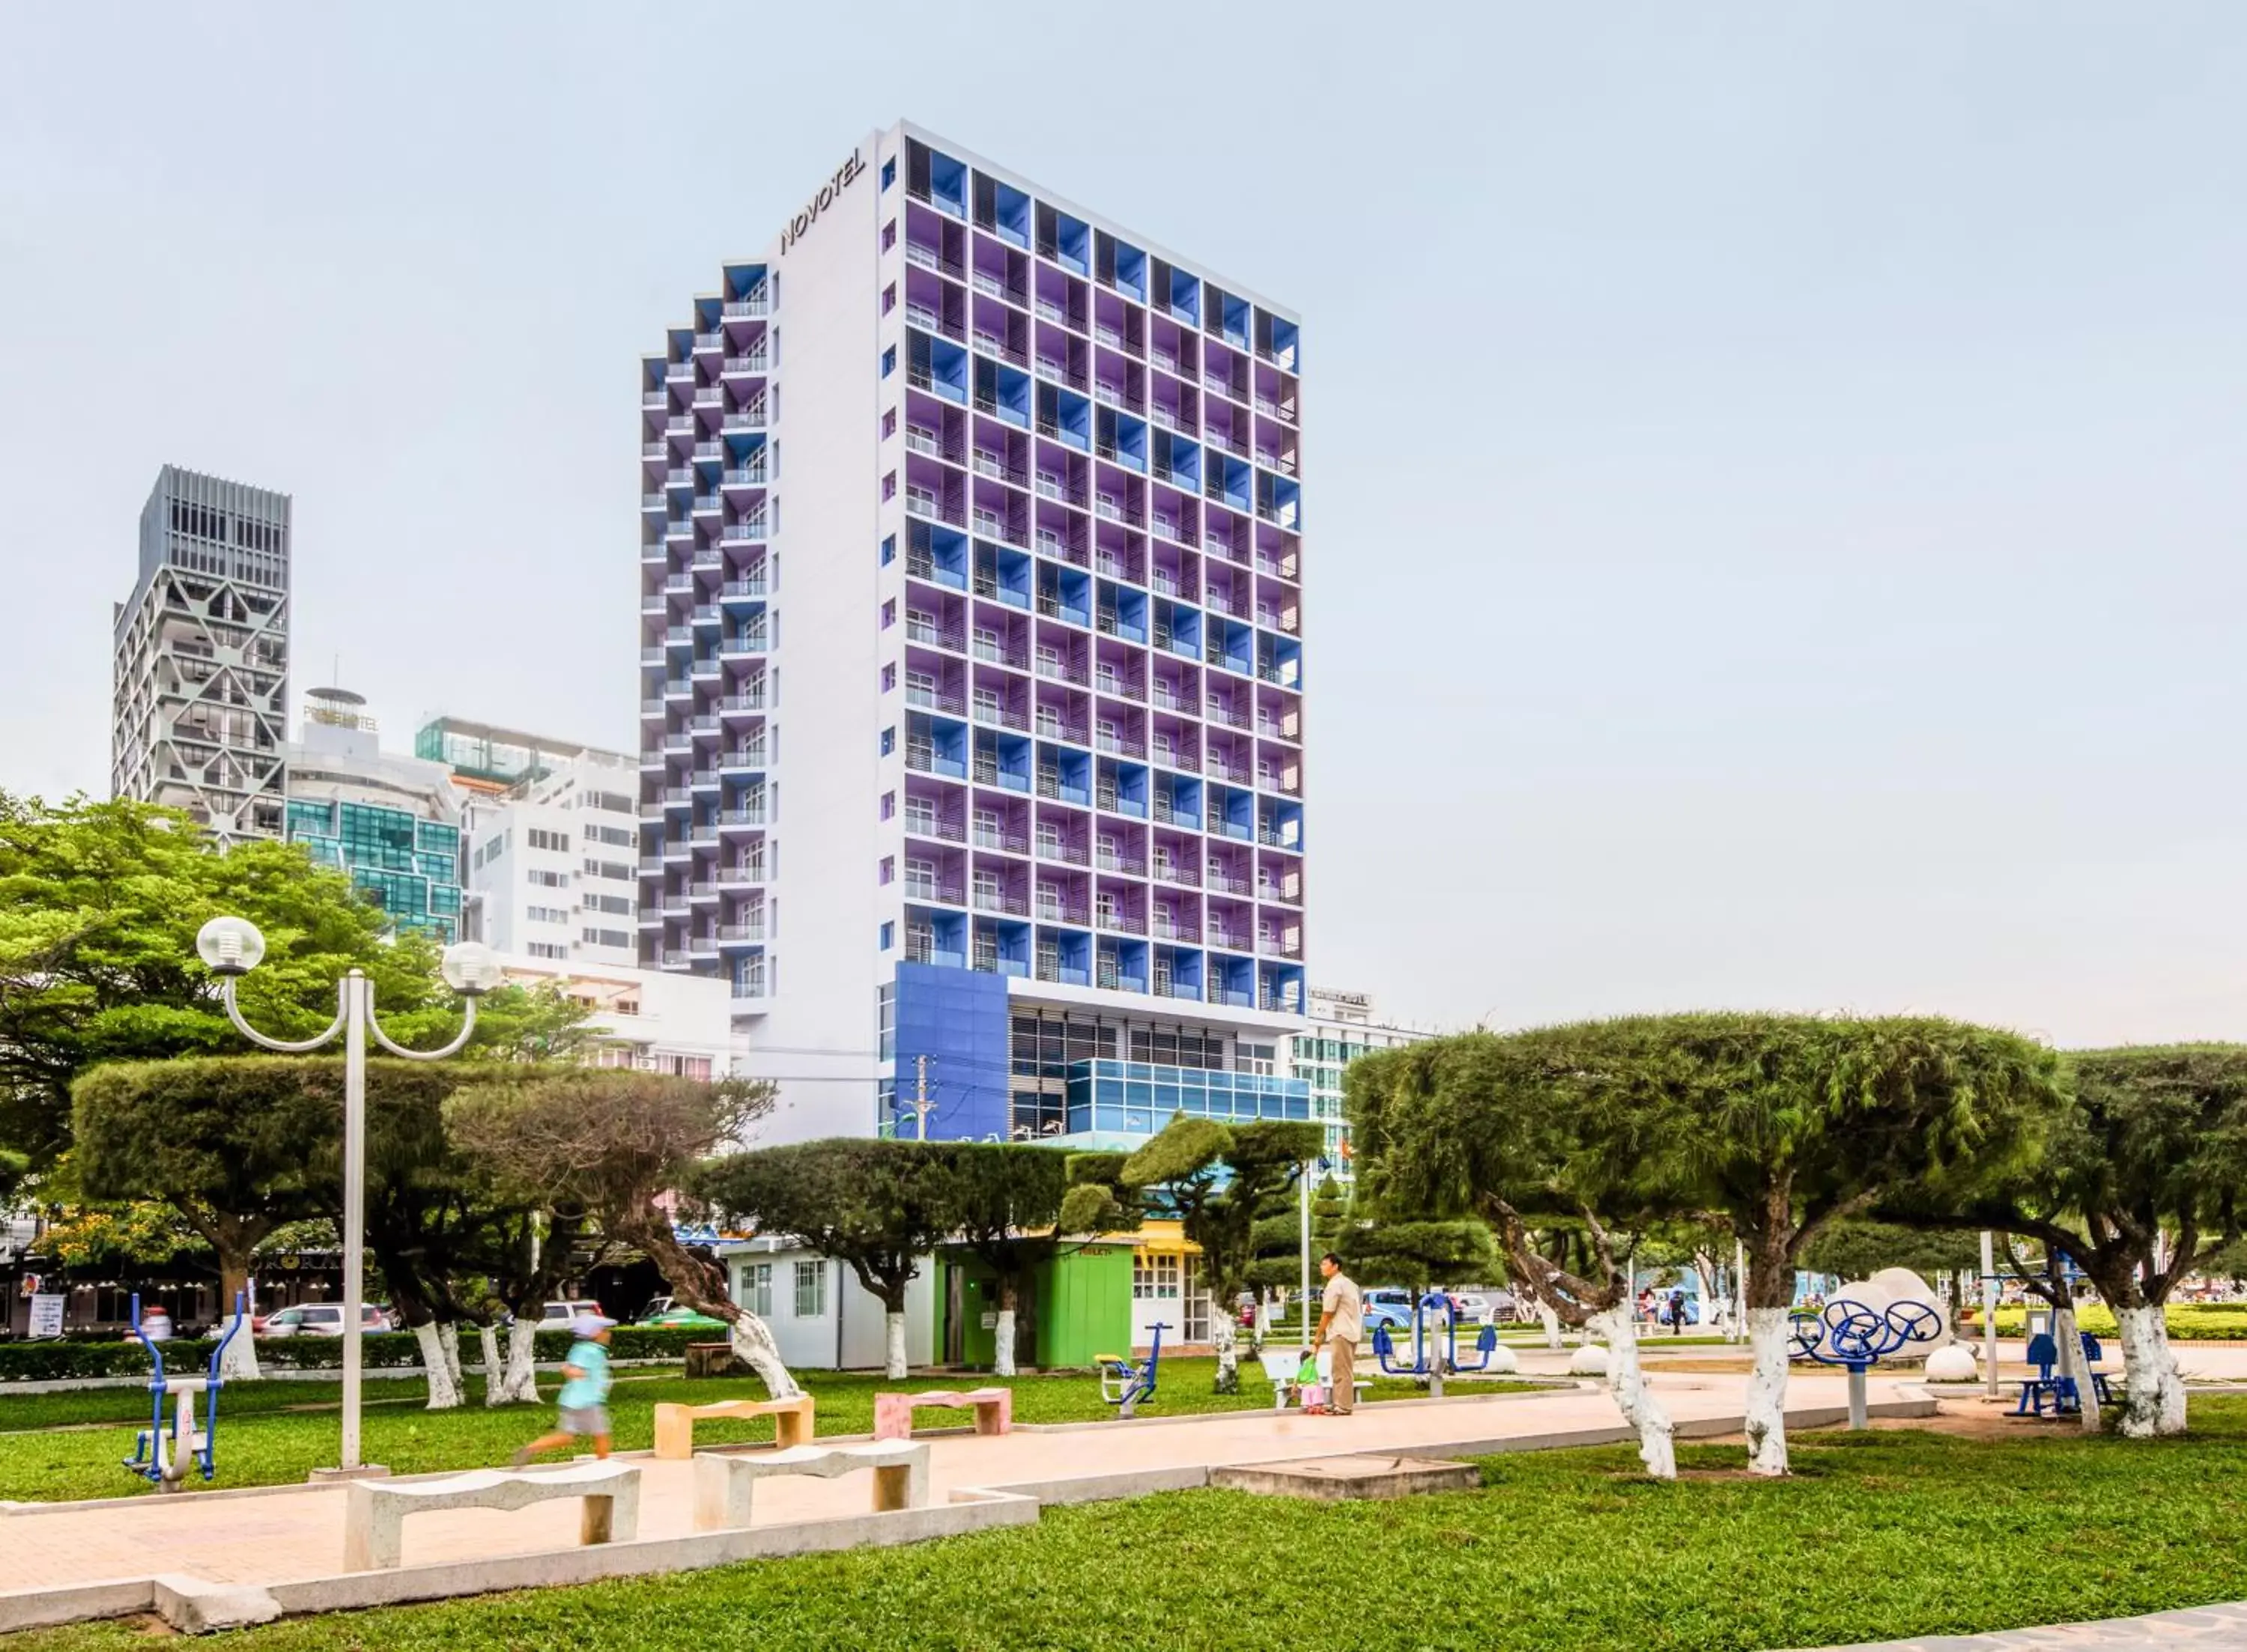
616 1145
1007 1201
1216 1180
2139 1180
1503 1128
1791 1122
881 1207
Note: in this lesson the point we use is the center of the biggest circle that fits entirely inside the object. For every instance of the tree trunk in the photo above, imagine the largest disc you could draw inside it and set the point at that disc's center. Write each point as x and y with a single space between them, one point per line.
702 1286
1632 1396
2073 1365
239 1362
1552 1326
448 1343
1225 1346
495 1383
1002 1353
1766 1403
2153 1392
520 1385
444 1392
893 1363
754 1346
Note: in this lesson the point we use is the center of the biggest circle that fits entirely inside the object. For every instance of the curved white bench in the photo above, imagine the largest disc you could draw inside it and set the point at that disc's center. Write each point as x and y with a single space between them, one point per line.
724 1482
375 1511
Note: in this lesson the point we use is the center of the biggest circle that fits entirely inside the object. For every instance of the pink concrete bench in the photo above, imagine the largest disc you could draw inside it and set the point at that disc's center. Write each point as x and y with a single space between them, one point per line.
994 1409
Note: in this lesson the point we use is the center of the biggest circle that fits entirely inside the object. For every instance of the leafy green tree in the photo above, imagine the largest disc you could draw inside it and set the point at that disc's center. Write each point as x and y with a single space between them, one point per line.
1508 1129
237 1146
2141 1177
1007 1201
100 904
613 1146
877 1205
1214 1179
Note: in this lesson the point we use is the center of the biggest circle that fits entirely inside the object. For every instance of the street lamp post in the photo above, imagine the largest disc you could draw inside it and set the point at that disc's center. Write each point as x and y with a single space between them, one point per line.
232 947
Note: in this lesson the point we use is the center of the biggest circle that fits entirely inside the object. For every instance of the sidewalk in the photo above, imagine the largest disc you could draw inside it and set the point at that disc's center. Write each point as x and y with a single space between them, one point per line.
295 1534
2208 1629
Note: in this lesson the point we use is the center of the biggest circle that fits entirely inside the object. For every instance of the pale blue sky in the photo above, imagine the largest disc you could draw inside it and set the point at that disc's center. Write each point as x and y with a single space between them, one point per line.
1774 474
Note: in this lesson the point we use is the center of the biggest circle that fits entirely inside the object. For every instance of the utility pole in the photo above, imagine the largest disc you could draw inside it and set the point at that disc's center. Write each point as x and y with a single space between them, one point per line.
1989 1313
1308 1164
920 1095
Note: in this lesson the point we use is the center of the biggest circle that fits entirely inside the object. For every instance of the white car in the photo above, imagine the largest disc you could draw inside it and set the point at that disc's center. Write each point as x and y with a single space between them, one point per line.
320 1319
1472 1310
563 1312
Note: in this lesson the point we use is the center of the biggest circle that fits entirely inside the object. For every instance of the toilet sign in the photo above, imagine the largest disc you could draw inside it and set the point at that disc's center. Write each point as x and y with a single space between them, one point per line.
46 1315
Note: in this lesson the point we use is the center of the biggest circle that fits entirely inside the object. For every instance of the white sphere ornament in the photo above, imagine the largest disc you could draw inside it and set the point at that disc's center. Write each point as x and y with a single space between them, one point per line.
1953 1364
230 946
470 968
1590 1360
1502 1361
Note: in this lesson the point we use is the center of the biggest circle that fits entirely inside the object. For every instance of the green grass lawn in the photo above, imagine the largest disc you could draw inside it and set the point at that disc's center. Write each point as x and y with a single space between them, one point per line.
1878 1535
60 1446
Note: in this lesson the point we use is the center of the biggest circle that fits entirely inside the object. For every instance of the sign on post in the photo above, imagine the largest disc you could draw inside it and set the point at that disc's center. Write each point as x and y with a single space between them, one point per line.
46 1315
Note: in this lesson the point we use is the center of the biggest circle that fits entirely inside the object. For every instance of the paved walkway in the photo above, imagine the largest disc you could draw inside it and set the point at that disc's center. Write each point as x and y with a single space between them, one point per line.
295 1533
2211 1629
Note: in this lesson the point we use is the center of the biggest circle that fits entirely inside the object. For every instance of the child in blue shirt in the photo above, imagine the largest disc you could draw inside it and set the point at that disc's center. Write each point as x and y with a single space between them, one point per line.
585 1396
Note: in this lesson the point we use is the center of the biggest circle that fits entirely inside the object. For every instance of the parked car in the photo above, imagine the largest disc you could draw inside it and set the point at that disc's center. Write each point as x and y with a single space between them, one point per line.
563 1312
1390 1307
1471 1309
676 1315
317 1319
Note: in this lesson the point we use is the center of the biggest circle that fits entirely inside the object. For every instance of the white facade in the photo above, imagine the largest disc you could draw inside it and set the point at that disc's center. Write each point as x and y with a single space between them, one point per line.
1134 851
1343 1026
644 1019
552 864
822 1319
199 714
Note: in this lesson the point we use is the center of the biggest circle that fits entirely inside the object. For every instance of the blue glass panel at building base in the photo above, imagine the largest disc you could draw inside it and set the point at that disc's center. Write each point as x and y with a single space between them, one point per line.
957 1018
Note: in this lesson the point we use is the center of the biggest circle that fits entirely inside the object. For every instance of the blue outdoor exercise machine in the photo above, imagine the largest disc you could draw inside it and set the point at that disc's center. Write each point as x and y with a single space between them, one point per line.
1124 1383
160 1458
1857 1338
1426 1344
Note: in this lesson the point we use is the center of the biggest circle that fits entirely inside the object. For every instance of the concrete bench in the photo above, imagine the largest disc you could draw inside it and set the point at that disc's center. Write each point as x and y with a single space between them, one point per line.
674 1424
994 1408
724 1481
375 1511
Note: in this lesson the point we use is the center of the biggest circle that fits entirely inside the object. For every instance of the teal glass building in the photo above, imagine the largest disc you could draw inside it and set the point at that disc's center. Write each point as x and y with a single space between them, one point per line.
409 867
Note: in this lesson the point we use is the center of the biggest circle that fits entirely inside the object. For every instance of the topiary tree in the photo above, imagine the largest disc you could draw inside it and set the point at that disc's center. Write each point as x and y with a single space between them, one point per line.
1784 1124
877 1205
1517 1130
1006 1203
235 1145
1213 1178
614 1144
2139 1179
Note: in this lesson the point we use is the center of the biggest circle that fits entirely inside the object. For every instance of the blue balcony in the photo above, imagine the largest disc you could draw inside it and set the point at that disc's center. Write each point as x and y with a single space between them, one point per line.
1184 298
1072 243
1231 482
1066 416
1178 461
1123 439
1285 350
939 366
937 554
947 184
1012 215
1232 324
1130 271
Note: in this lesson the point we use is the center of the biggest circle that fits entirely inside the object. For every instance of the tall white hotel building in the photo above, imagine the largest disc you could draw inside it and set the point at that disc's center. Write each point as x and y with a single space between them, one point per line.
971 671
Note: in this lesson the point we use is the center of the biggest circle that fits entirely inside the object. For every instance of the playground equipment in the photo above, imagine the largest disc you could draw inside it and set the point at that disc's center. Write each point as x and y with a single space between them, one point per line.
1124 1383
1857 1338
1431 1357
162 1458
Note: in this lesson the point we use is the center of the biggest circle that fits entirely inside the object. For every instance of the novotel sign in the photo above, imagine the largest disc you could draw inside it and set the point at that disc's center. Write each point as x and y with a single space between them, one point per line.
844 176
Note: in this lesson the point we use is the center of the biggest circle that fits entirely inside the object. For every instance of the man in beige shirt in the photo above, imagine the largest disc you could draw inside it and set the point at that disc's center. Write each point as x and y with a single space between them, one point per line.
1342 1323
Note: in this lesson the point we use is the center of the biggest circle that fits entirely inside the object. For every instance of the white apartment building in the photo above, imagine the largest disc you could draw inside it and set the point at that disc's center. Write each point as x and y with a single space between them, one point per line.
1343 1026
657 1022
551 836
